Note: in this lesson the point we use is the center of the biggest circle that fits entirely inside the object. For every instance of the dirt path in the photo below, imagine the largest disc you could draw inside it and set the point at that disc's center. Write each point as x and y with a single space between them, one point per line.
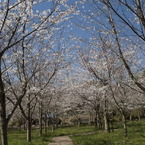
62 140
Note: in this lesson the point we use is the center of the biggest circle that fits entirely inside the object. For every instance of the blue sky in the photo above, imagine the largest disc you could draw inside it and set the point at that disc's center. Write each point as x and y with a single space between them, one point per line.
93 23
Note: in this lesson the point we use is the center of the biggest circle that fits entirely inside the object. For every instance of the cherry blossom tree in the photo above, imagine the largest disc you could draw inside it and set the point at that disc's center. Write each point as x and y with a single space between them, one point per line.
125 28
21 21
116 31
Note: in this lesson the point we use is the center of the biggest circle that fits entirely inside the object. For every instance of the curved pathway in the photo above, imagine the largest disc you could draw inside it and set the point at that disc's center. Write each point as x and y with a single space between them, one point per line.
61 140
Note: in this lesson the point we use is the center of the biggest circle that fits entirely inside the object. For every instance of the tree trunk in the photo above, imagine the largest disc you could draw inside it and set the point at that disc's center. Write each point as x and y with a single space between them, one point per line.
4 137
97 120
40 126
53 126
110 123
29 130
130 117
29 122
106 121
40 119
45 123
24 125
90 119
78 121
106 124
111 126
138 116
3 120
99 125
45 127
124 124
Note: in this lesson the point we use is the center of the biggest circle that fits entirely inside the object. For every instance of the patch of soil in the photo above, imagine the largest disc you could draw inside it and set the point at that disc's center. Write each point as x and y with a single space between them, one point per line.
62 140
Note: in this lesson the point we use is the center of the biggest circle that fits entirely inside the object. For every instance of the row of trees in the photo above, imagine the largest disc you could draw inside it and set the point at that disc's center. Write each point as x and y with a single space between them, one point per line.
37 73
112 57
32 51
114 92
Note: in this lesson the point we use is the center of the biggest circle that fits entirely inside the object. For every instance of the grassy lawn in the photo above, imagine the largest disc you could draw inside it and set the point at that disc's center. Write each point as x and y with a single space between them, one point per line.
19 138
136 135
73 130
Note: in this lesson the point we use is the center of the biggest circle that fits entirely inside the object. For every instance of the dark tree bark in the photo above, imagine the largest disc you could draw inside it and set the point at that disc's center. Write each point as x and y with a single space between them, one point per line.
45 124
29 125
40 119
3 119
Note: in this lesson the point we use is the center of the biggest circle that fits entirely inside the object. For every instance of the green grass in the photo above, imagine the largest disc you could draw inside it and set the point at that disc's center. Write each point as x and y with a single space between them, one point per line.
136 135
73 130
19 138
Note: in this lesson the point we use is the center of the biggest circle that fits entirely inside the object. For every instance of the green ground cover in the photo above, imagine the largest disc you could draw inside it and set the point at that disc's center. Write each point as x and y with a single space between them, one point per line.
74 130
19 138
136 135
